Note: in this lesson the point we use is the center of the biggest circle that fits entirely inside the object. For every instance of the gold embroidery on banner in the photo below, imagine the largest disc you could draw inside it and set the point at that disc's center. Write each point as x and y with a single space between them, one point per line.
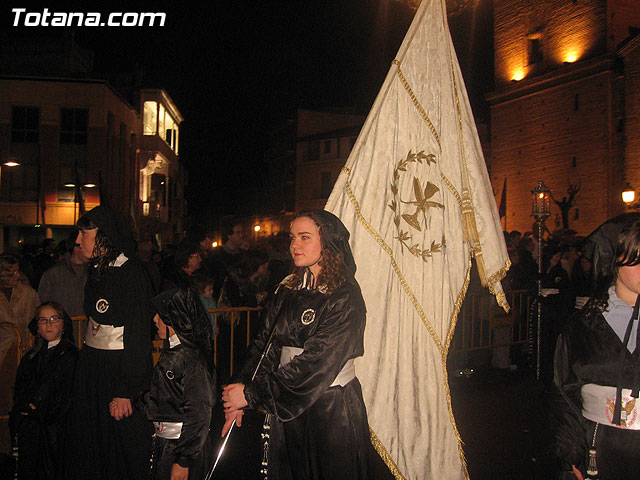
394 264
415 101
422 204
386 457
442 349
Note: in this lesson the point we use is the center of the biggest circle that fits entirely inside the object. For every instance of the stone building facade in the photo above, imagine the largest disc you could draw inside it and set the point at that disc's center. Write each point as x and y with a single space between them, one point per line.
565 107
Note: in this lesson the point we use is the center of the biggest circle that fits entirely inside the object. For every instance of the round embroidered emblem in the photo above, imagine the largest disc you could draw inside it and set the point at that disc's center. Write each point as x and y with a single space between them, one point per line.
170 375
308 316
102 305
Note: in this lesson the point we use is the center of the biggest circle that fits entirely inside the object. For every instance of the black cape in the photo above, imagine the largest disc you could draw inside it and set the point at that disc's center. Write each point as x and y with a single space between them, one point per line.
317 431
45 380
589 351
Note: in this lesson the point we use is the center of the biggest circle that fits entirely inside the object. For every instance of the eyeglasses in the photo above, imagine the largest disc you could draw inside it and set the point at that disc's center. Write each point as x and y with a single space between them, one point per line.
52 319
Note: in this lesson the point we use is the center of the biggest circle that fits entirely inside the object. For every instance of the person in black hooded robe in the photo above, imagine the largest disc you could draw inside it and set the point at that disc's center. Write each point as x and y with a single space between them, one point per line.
597 363
182 393
42 395
115 362
306 382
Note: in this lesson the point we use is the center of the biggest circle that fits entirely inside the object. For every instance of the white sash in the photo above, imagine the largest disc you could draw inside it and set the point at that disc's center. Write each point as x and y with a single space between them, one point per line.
104 337
598 403
347 373
168 430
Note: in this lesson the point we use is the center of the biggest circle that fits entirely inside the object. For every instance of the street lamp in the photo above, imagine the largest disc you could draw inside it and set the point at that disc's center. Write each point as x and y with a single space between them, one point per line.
540 210
629 197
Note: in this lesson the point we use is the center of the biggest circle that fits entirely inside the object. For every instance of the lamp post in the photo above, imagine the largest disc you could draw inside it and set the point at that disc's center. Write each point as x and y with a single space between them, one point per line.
540 210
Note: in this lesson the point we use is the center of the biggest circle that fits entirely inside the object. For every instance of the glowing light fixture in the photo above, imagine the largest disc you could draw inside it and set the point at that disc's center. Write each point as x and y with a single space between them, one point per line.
257 228
571 57
89 185
541 207
628 194
214 244
518 75
11 163
69 185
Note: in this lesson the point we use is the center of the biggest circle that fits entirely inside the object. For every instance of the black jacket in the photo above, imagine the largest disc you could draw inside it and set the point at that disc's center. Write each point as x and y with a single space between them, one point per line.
588 351
183 383
45 380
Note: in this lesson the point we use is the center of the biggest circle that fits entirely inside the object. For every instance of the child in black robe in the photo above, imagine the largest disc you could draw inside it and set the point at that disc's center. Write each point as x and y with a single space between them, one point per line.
42 395
181 397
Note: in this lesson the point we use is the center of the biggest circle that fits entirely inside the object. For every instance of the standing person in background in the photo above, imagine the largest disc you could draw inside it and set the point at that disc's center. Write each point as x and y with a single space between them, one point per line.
185 262
115 363
64 282
145 251
18 303
229 254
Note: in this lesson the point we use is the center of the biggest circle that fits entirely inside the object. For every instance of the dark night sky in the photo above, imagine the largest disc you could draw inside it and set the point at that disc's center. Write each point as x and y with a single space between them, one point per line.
238 69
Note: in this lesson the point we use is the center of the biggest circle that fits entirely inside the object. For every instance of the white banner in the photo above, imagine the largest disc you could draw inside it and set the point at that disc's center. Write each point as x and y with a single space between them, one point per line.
416 197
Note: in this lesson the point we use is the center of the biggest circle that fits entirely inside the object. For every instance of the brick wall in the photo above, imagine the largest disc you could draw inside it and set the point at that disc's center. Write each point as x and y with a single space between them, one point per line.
558 135
563 27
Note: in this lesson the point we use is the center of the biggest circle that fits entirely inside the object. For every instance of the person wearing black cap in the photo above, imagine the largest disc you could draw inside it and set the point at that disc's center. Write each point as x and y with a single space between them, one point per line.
181 397
42 396
306 382
115 361
597 362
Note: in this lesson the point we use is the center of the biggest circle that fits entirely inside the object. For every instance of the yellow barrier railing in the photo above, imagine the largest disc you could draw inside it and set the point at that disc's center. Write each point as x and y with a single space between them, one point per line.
228 322
480 316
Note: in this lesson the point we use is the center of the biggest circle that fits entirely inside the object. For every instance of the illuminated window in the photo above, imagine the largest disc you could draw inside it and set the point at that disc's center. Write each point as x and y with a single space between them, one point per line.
150 118
161 122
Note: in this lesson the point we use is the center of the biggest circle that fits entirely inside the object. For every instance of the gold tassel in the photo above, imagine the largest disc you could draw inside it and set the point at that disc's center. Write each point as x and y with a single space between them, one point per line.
470 232
592 468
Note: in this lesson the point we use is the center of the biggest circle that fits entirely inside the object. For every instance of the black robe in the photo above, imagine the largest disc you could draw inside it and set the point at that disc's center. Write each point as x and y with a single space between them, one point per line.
183 387
588 351
45 381
103 448
317 431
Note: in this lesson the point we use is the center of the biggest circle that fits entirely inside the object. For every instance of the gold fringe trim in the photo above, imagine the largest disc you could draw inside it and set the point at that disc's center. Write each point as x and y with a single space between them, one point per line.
386 457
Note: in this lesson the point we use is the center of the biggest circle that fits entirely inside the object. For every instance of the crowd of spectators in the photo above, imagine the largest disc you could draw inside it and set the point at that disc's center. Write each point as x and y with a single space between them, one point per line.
235 274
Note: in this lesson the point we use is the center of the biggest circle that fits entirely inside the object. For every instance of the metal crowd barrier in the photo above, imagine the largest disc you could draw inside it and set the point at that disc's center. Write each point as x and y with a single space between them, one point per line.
235 325
480 317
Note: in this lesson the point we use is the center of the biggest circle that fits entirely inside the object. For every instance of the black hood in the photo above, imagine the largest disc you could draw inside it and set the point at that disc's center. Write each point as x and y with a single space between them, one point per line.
115 227
600 245
182 310
335 236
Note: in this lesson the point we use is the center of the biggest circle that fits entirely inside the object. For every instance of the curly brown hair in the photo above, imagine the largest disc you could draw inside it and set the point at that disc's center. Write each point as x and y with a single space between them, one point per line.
333 273
104 252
